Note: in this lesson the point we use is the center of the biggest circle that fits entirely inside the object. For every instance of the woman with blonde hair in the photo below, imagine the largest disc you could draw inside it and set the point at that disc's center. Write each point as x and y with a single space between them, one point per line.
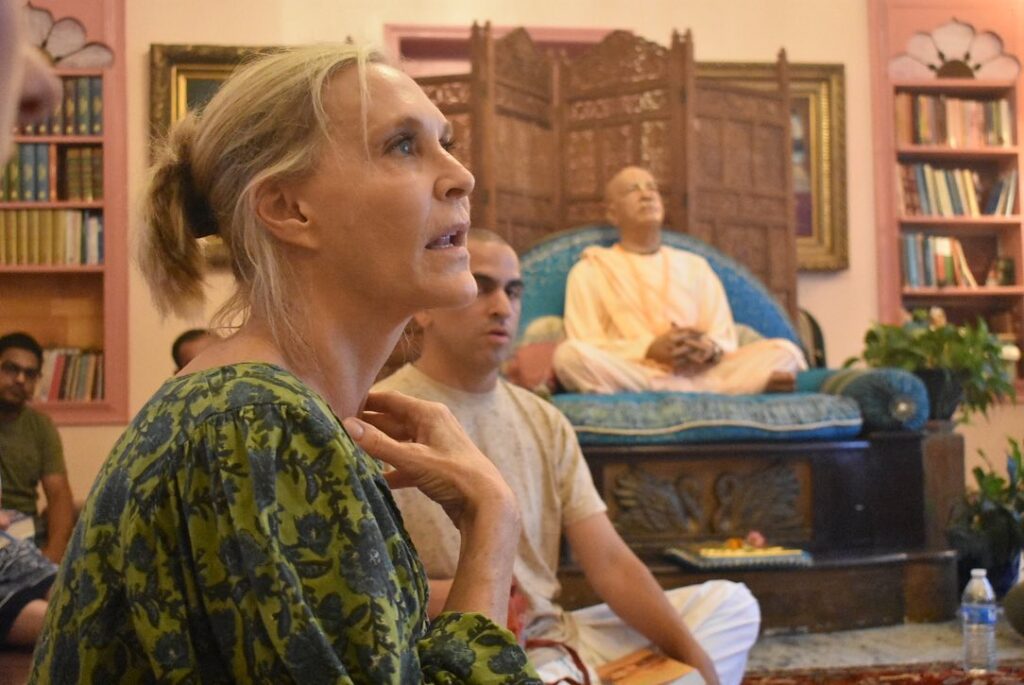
239 531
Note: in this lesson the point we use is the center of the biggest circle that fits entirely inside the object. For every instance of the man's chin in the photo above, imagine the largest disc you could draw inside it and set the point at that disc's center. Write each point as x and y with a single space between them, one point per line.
7 407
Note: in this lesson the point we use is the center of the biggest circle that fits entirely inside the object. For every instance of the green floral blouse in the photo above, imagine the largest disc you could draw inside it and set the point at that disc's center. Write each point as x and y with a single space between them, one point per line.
236 533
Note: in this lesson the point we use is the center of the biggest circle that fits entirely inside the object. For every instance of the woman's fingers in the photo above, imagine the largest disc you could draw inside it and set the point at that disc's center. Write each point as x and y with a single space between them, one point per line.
398 479
390 425
379 444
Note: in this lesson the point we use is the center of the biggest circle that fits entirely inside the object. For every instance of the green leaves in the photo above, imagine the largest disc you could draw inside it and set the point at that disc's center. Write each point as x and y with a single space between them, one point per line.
971 352
987 524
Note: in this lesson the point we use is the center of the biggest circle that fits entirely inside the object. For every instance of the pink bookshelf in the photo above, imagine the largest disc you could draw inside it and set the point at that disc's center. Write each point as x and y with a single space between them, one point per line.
83 306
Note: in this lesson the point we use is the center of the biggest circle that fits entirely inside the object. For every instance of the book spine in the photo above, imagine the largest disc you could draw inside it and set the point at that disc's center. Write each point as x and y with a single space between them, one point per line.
96 105
27 157
70 106
86 173
82 125
23 251
14 179
42 172
97 173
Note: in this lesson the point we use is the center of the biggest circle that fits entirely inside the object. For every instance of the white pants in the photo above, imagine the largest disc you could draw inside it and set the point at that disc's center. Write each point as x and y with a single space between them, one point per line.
582 367
723 616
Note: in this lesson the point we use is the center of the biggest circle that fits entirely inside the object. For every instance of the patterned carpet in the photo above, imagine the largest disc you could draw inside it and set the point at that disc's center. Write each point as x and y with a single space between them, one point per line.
1010 673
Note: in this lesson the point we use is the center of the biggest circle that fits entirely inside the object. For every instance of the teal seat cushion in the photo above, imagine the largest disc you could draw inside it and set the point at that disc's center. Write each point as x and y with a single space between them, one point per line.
679 418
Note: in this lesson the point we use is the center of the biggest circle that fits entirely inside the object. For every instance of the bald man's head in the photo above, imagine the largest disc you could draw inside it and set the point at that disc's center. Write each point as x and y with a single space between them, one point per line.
633 204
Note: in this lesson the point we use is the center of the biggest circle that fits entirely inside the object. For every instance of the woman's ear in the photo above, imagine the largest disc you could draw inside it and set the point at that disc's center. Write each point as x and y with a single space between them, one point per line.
279 208
422 318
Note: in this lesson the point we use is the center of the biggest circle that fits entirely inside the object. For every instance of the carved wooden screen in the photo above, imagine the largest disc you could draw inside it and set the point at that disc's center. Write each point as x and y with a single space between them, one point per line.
622 104
517 168
743 186
453 95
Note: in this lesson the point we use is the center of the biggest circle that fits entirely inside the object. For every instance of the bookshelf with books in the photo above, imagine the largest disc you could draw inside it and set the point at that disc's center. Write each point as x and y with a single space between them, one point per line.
63 215
948 160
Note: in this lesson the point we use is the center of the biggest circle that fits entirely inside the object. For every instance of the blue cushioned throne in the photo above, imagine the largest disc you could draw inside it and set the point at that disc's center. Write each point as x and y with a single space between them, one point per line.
826 406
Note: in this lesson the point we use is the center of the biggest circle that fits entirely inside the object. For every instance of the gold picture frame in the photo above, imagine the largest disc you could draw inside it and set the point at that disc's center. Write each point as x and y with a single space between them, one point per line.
185 77
819 153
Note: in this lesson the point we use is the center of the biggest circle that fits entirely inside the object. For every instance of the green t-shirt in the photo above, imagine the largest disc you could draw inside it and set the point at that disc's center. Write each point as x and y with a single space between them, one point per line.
237 534
29 449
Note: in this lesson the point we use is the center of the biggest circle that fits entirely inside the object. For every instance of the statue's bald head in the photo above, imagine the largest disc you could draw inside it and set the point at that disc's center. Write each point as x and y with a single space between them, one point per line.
623 176
633 204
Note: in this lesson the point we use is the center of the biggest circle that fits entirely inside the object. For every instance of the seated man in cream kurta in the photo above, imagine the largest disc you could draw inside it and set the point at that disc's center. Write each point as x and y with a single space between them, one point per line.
642 316
710 626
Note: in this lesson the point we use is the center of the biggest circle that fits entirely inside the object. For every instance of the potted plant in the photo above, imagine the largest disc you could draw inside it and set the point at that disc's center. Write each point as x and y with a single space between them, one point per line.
985 528
959 365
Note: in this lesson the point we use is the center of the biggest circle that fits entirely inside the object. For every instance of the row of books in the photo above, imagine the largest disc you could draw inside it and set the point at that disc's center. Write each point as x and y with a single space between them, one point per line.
46 172
934 191
70 374
941 120
935 261
50 237
78 113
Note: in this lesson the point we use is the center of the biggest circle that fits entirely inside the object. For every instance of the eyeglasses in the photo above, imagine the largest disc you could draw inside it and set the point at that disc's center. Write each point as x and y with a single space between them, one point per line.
12 370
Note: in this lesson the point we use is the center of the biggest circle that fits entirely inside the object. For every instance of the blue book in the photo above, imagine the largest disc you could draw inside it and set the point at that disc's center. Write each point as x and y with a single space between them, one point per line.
928 250
43 172
927 208
992 201
27 162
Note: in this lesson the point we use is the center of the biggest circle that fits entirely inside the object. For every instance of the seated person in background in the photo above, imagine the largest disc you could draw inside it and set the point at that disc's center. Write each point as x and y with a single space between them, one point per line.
710 626
30 446
25 579
28 91
641 316
189 344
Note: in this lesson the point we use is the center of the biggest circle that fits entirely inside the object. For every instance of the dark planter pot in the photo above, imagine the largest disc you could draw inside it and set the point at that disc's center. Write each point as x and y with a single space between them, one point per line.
945 392
1002 577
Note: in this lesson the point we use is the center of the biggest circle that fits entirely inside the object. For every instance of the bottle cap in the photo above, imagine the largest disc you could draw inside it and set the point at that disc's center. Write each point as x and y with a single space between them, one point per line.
978 573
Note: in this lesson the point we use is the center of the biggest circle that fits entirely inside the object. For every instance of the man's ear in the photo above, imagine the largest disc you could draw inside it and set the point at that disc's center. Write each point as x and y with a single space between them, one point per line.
279 208
610 214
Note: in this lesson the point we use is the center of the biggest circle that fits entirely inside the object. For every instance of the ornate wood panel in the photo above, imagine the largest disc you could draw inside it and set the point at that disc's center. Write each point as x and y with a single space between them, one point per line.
518 192
744 182
622 104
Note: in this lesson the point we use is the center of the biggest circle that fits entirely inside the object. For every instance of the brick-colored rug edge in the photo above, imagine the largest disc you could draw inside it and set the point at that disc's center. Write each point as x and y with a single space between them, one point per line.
1010 672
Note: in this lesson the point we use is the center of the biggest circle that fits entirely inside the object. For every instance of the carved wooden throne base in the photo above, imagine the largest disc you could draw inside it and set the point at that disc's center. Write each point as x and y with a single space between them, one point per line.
858 505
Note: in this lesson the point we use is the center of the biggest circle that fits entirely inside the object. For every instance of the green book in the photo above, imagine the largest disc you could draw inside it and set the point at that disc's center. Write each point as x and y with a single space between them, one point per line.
70 101
96 105
82 106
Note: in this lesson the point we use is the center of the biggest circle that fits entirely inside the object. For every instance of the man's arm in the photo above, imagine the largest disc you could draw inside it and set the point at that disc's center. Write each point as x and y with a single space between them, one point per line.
60 514
629 589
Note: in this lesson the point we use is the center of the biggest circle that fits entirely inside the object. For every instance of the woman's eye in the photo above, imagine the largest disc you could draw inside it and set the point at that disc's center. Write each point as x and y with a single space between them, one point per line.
404 146
449 145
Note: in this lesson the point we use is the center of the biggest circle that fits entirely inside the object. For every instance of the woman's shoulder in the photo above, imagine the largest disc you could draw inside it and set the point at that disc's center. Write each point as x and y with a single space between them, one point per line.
234 388
249 393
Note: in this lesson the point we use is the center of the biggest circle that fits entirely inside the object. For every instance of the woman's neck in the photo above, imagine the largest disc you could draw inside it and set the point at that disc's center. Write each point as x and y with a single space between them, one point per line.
339 364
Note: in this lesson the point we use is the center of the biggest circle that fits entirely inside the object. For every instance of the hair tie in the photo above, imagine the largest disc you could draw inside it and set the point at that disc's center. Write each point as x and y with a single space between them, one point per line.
202 221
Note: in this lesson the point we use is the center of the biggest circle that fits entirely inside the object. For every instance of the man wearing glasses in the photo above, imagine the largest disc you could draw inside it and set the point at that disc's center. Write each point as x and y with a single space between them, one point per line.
30 448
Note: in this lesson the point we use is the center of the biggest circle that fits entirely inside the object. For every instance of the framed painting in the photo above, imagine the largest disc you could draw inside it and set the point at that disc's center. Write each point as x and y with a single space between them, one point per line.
819 153
183 78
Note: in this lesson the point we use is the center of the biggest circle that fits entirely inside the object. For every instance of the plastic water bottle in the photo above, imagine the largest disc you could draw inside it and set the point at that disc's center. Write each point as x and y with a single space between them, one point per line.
978 612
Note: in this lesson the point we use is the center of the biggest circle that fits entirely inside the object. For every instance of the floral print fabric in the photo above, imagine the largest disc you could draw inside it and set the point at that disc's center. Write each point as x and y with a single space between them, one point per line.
237 534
